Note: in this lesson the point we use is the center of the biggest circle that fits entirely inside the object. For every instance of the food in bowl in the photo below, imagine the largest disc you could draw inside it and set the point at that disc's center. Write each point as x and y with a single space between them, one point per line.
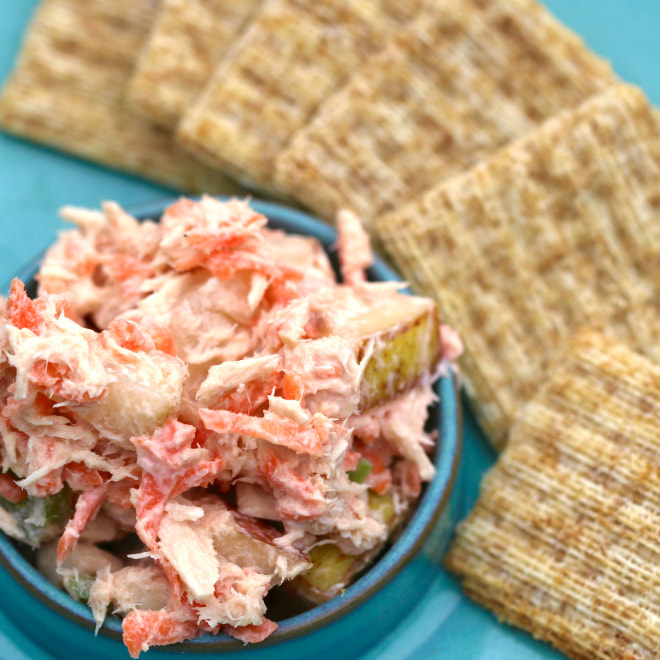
194 409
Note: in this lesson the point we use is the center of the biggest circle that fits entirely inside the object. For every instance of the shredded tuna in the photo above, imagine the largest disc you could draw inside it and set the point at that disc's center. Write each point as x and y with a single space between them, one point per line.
251 634
197 384
354 249
452 346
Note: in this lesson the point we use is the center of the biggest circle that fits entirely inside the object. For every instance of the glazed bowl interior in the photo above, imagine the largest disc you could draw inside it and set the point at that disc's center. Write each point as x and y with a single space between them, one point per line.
445 418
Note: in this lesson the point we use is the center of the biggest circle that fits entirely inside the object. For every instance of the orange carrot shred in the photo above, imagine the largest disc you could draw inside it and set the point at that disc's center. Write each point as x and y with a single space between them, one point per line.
87 506
10 490
145 628
22 312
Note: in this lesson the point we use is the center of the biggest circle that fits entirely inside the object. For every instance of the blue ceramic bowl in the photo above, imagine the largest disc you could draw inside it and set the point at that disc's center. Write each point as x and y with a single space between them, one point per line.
347 623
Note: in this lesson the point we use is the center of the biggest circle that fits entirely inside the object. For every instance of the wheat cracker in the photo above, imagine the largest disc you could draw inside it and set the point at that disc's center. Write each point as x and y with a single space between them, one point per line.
465 79
186 42
564 540
67 89
292 56
558 230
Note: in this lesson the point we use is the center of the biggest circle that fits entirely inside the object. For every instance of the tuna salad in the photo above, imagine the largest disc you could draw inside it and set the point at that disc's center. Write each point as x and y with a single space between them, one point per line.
195 413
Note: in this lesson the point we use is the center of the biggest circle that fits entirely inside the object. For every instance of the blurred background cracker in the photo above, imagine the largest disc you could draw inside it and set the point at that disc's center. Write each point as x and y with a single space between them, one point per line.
186 42
67 91
292 56
464 79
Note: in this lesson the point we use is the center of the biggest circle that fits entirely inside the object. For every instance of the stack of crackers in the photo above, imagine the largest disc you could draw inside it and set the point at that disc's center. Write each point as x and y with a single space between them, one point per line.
504 169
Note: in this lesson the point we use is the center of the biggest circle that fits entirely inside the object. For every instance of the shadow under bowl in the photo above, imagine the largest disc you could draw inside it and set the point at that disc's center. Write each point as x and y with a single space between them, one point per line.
347 622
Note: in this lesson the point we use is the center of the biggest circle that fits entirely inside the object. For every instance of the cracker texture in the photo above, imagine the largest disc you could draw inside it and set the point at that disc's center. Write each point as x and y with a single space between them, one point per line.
186 42
465 79
557 231
67 89
565 538
293 55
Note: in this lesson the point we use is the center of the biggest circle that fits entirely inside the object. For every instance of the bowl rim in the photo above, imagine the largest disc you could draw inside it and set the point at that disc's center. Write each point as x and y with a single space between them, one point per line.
430 507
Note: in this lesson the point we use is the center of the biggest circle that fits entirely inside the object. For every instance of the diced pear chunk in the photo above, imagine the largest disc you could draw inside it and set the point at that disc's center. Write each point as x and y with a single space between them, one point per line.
332 570
398 335
145 391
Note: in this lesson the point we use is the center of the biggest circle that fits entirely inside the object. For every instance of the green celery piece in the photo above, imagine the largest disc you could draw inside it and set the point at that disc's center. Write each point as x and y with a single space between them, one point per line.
361 471
41 518
78 586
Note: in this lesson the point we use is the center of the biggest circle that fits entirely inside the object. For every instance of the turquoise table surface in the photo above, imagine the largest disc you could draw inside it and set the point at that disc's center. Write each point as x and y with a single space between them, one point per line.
35 182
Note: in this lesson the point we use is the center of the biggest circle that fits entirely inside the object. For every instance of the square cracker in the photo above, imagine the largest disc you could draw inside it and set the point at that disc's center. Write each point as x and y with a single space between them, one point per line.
466 78
559 230
67 92
564 540
186 42
293 55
